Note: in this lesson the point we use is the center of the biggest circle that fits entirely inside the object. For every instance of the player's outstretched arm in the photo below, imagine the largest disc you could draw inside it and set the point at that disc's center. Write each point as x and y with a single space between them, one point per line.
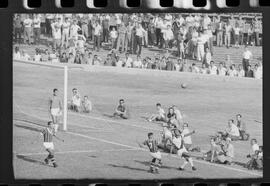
189 134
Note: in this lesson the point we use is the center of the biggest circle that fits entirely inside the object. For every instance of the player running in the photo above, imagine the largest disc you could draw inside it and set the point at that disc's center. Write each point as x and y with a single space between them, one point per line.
177 142
55 109
48 134
152 144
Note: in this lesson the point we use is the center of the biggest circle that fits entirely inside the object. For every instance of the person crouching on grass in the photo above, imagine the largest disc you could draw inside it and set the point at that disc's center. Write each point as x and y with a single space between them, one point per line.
121 110
226 154
55 109
48 134
152 144
256 161
159 116
232 131
76 101
86 105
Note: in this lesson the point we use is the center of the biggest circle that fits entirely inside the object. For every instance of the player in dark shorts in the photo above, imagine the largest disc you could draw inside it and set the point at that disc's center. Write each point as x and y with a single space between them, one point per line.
152 144
48 134
121 110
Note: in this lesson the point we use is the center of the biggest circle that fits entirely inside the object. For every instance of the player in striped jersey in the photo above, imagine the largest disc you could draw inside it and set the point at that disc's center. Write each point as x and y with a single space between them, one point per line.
152 144
178 143
48 134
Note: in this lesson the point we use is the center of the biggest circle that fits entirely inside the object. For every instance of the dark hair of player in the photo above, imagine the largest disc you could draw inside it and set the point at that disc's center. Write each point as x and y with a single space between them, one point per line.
158 104
86 96
121 100
254 140
49 123
54 90
186 124
150 134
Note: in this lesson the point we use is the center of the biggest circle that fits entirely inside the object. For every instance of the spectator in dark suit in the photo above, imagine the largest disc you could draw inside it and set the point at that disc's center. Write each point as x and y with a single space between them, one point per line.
249 72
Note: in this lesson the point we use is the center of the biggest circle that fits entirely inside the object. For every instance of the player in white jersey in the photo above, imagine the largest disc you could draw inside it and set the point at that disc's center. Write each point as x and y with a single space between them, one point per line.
177 142
55 109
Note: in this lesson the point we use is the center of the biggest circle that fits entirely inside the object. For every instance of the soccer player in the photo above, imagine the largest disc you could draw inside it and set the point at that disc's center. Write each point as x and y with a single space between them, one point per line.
55 109
152 144
177 142
121 110
159 116
48 134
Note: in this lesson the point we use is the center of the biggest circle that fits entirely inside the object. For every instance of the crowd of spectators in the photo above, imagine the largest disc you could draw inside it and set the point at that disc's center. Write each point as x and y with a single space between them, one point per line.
73 38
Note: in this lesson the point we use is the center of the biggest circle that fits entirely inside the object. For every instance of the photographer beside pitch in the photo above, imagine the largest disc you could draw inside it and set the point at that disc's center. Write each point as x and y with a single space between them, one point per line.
121 110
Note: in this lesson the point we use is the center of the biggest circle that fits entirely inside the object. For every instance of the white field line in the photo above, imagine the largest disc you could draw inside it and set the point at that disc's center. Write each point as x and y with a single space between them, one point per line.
136 148
75 152
40 118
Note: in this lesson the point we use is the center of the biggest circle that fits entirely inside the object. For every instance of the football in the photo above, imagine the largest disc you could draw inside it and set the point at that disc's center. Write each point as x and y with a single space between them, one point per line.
184 85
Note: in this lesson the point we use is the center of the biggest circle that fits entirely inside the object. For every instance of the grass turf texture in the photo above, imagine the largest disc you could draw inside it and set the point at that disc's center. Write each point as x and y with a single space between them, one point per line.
97 146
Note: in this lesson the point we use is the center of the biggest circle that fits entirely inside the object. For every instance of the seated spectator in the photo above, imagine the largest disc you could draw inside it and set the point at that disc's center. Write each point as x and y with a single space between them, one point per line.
76 101
214 151
137 63
232 71
232 131
17 54
119 62
37 56
242 127
222 71
128 61
86 105
194 68
249 72
71 58
108 61
257 72
184 67
241 72
212 68
159 116
89 58
96 60
204 70
53 57
25 56
121 110
63 58
226 154
207 57
256 156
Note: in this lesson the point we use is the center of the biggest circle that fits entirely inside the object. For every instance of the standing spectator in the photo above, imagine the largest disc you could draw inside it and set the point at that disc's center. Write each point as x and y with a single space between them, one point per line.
56 32
219 32
250 35
18 29
247 56
249 72
236 35
65 32
74 28
241 24
168 37
158 23
97 35
138 39
27 29
151 32
257 31
36 31
228 30
105 32
200 47
122 31
48 23
128 40
84 23
113 35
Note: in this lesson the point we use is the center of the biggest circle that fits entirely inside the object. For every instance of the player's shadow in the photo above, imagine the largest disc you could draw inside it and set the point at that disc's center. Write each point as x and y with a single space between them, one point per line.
240 164
147 163
27 128
31 160
127 167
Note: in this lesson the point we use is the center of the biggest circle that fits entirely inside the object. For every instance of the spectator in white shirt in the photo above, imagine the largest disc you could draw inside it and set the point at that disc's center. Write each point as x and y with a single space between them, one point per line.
257 72
222 71
97 35
200 46
204 70
17 54
76 100
207 57
228 29
36 31
27 23
232 130
119 62
37 56
113 36
138 39
194 68
241 72
247 56
232 71
137 63
212 68
237 35
168 36
65 32
56 32
74 28
128 61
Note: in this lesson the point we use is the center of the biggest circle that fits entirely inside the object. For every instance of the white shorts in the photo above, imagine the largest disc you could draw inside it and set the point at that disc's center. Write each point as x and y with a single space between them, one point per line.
48 145
156 154
181 151
168 134
55 111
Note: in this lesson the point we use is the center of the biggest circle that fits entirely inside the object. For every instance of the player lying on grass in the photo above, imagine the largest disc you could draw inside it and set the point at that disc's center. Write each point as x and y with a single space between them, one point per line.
256 156
159 116
152 144
55 109
48 134
121 110
177 143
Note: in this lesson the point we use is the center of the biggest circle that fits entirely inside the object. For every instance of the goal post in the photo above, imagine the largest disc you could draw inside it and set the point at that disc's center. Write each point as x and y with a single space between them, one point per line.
65 98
